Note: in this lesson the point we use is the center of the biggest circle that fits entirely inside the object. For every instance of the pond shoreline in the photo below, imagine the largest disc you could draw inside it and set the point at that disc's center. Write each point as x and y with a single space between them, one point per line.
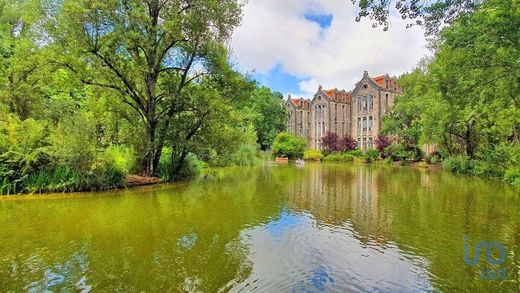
136 181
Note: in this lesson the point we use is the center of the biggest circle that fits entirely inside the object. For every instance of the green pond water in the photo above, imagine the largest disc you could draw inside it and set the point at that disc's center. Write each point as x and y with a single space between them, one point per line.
321 228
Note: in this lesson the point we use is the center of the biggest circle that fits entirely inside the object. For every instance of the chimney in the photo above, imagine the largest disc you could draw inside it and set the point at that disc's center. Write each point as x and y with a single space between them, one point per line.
319 87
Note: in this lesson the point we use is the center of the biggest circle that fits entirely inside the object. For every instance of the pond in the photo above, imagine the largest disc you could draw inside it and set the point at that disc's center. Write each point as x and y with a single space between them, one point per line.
320 228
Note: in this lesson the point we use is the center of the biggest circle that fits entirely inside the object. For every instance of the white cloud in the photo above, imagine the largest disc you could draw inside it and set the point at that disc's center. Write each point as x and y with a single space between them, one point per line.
276 32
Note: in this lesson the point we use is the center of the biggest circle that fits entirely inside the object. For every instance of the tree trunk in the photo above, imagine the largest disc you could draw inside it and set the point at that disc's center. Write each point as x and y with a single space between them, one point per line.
151 152
469 145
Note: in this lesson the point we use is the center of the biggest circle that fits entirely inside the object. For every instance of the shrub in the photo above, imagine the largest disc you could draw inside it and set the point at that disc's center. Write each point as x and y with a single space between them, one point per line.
288 145
65 179
382 142
356 153
371 155
246 155
190 167
396 152
458 164
512 175
329 142
433 158
346 143
339 157
123 157
73 142
313 155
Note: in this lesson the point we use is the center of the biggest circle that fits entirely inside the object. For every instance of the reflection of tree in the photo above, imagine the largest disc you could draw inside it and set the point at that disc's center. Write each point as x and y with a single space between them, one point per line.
434 210
188 236
424 213
178 238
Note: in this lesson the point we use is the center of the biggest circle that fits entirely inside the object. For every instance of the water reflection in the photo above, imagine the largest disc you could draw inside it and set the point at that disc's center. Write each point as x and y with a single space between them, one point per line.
324 227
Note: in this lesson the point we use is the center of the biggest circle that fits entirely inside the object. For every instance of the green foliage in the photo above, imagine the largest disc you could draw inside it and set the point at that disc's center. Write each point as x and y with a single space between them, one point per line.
356 153
312 155
269 116
458 164
339 157
465 99
73 142
396 152
288 145
123 157
63 179
38 157
501 162
371 155
512 175
246 155
192 166
189 167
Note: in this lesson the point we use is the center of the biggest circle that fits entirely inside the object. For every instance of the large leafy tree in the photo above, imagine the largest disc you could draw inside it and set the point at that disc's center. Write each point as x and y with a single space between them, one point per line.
270 115
467 97
433 15
146 51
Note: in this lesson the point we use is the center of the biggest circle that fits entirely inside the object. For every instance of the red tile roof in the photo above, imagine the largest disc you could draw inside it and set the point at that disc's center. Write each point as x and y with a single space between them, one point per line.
337 95
379 79
301 102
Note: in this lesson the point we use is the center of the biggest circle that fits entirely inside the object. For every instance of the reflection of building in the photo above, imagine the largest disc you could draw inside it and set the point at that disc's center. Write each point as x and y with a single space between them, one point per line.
336 195
357 113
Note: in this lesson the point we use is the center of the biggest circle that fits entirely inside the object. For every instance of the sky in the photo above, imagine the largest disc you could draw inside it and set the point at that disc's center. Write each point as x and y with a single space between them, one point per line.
292 46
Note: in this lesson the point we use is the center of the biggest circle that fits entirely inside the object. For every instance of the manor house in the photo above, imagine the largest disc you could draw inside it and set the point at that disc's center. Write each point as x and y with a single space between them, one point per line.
357 113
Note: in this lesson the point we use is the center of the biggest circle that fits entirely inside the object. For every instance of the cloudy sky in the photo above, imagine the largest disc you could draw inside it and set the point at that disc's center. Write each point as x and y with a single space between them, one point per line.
292 46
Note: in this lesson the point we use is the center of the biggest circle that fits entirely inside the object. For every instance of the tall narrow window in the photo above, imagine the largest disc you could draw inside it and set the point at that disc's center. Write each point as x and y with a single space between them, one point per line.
364 123
359 124
371 102
370 123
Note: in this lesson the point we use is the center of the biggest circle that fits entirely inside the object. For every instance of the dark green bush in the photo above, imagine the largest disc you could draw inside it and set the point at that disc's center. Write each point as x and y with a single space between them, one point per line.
458 164
371 155
512 175
246 155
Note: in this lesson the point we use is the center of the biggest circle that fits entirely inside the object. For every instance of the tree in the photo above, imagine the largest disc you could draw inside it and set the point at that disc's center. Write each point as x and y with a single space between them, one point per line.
432 14
270 118
466 99
288 145
329 142
145 51
346 143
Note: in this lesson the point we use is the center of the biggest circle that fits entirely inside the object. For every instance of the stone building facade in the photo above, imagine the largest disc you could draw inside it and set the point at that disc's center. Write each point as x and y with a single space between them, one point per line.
357 113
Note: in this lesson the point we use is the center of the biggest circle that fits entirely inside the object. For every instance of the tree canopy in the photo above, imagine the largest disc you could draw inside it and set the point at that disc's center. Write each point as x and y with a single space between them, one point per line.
111 87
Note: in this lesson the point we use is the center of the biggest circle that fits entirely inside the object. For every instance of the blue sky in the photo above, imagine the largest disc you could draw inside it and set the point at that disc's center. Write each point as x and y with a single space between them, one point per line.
292 46
279 80
323 20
